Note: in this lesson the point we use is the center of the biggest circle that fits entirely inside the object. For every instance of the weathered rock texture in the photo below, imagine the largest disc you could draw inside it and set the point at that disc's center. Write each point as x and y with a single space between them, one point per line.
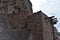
16 11
41 28
12 18
17 22
34 24
47 28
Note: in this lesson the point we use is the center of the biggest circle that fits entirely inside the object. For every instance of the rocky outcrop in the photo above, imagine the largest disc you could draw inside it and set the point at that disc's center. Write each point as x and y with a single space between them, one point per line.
12 18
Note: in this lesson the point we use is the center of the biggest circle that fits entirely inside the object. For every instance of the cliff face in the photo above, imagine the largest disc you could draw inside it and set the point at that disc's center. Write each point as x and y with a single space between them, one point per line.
40 27
16 11
18 23
12 18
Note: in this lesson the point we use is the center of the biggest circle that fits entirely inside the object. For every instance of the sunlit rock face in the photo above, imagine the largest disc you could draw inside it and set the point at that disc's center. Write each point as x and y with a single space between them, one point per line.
12 18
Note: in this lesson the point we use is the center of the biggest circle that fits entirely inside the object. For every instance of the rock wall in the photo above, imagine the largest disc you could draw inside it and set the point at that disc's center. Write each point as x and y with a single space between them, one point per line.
18 23
40 27
12 18
34 25
47 28
16 11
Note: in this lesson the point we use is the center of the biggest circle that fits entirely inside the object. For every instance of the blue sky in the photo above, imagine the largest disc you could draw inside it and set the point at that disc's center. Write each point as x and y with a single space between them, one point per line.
49 7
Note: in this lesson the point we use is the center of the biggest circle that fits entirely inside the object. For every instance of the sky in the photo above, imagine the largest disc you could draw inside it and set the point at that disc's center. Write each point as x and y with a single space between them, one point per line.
49 7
